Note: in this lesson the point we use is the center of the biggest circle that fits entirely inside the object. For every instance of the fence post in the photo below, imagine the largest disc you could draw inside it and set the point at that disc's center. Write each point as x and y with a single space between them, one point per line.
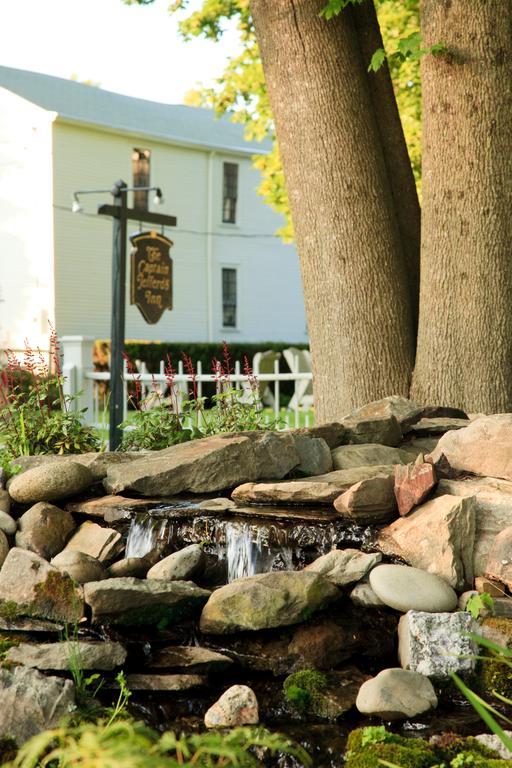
77 361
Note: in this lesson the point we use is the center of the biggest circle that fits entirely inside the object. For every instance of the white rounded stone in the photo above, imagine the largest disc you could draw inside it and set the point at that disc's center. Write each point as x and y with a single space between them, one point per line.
405 588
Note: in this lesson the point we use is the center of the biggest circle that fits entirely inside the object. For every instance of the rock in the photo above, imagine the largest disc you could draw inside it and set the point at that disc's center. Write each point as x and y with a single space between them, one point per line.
363 595
332 433
497 630
437 537
315 455
207 465
189 657
179 566
5 502
81 567
268 600
132 601
482 448
110 508
437 426
130 566
494 742
349 456
344 566
217 505
492 588
94 540
365 429
4 547
499 562
464 598
97 655
96 462
32 702
413 483
322 489
437 644
26 624
142 682
442 412
396 694
416 445
369 501
502 607
7 524
44 529
33 587
50 483
405 589
237 706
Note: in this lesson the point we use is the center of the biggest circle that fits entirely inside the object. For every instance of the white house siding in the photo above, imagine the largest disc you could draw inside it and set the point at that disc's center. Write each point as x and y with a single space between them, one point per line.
26 236
269 292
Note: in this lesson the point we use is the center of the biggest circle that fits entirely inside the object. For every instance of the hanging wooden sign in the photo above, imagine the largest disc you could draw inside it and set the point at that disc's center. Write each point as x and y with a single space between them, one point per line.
151 275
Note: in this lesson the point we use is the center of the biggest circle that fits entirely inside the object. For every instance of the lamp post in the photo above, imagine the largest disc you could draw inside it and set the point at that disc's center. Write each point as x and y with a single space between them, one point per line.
120 214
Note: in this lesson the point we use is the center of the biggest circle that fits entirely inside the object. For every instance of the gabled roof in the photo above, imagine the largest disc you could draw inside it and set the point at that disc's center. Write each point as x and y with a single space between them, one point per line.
174 123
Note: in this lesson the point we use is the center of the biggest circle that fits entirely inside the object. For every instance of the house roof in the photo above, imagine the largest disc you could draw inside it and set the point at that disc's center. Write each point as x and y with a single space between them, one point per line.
84 104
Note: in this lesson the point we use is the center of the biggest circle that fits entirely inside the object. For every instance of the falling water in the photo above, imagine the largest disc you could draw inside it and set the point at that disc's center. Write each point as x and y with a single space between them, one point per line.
247 551
143 536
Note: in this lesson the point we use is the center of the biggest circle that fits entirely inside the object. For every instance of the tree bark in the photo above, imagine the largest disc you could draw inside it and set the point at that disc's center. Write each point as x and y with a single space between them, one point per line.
396 156
354 276
464 354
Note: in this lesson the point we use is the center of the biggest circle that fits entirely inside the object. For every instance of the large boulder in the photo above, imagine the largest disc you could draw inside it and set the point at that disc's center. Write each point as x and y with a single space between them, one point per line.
437 537
322 489
50 482
30 586
268 600
91 654
44 529
396 694
237 706
482 448
344 566
349 456
405 588
493 505
437 644
131 601
315 455
32 702
381 421
210 464
369 501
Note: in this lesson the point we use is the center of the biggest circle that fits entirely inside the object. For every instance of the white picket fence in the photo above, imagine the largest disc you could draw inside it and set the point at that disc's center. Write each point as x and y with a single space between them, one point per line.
83 382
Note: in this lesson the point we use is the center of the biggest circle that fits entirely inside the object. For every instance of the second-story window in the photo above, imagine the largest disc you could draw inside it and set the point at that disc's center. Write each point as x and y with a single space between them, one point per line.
229 193
140 172
228 298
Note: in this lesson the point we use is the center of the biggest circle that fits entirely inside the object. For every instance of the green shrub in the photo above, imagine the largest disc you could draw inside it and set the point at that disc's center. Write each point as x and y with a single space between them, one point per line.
128 744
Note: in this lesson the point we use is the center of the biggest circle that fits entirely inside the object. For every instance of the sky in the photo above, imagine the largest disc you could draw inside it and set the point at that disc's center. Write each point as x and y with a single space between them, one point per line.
134 50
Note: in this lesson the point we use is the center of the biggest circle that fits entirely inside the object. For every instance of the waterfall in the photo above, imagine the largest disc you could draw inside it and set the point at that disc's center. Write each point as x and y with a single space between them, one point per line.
247 551
143 536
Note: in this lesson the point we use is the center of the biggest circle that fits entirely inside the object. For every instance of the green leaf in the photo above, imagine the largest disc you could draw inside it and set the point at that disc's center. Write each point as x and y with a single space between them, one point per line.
377 60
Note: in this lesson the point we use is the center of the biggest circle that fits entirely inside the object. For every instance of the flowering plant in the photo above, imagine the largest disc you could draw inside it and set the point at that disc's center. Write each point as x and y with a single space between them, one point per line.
36 416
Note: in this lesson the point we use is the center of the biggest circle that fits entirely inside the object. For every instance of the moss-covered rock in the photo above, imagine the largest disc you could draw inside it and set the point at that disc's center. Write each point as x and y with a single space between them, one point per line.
491 673
324 696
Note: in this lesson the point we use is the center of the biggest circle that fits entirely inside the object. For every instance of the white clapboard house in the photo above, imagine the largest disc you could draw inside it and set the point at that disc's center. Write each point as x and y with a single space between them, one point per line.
233 278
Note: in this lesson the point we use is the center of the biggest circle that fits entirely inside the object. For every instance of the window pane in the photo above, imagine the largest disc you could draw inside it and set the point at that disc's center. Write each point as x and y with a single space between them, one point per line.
140 170
229 193
229 298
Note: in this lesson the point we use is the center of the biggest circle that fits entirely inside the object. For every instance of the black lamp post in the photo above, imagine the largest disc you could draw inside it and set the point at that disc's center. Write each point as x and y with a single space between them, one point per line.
120 214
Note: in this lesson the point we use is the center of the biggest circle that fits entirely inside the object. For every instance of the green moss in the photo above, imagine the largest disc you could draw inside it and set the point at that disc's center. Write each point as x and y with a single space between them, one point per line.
9 610
56 598
450 745
303 689
6 642
416 754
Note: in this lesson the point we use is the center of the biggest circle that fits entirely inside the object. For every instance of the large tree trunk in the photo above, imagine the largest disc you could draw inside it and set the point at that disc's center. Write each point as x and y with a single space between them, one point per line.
353 267
396 156
464 355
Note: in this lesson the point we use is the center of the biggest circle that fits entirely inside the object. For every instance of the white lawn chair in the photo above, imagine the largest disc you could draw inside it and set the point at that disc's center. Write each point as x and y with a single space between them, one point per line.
262 362
299 361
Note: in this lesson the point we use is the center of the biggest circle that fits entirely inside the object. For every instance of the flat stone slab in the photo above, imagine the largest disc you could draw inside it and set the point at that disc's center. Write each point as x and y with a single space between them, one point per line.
405 588
108 506
132 601
437 426
26 624
189 657
143 682
90 655
207 465
350 456
322 489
